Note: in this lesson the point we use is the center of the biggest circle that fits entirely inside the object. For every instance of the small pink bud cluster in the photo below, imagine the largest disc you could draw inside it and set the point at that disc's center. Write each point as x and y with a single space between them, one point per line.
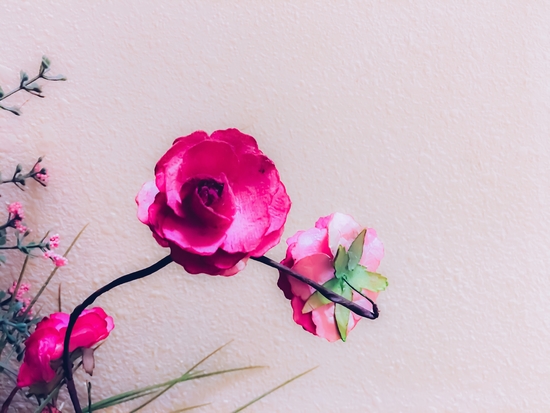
57 259
42 177
51 409
15 209
54 242
23 289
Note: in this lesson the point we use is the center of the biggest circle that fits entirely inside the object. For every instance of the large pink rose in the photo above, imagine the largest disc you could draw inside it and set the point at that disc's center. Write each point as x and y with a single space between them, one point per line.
216 201
312 253
45 344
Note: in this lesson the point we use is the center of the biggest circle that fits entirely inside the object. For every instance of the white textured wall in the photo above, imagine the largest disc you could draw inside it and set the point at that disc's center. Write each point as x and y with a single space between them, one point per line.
426 120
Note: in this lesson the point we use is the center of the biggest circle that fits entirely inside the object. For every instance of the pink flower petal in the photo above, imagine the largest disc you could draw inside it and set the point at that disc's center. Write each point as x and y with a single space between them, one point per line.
297 304
144 199
240 142
316 267
373 251
309 242
219 263
167 167
323 318
342 230
253 190
278 211
207 159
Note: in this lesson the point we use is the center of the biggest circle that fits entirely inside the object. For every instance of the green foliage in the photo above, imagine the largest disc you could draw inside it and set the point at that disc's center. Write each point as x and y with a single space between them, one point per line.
158 390
240 409
17 323
349 276
355 250
30 85
14 325
362 279
341 313
340 262
19 179
316 300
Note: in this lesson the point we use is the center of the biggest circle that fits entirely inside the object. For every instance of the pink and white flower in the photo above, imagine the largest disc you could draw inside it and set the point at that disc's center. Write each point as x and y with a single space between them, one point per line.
312 253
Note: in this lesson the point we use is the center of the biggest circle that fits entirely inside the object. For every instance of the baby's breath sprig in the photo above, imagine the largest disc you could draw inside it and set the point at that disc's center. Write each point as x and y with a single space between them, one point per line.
30 85
37 172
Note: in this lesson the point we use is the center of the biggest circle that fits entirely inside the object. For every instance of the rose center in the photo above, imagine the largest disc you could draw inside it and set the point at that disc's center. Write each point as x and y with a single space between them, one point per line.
209 191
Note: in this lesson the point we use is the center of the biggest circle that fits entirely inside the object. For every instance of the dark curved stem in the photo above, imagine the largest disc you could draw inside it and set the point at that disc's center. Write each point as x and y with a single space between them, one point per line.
325 292
374 306
6 404
78 310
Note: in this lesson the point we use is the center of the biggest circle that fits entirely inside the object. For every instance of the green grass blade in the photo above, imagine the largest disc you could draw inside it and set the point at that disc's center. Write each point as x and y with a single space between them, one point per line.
207 357
185 409
146 391
240 409
215 373
173 384
59 306
133 394
152 399
48 399
18 284
103 404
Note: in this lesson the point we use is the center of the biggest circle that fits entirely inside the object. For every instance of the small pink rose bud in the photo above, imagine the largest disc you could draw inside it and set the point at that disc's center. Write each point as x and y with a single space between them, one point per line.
23 289
42 174
57 259
21 228
16 210
54 241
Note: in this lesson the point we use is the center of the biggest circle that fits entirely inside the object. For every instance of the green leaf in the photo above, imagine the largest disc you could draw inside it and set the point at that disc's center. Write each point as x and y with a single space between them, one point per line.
24 78
34 87
11 109
340 262
1 92
185 409
361 279
317 299
341 314
356 250
45 65
56 78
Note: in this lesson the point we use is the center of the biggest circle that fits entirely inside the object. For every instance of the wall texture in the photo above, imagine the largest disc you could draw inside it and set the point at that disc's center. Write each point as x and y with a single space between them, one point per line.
426 120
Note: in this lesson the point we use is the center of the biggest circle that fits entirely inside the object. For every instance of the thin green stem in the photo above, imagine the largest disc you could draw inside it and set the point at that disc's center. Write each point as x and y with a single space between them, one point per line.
174 383
240 409
27 85
17 247
21 87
